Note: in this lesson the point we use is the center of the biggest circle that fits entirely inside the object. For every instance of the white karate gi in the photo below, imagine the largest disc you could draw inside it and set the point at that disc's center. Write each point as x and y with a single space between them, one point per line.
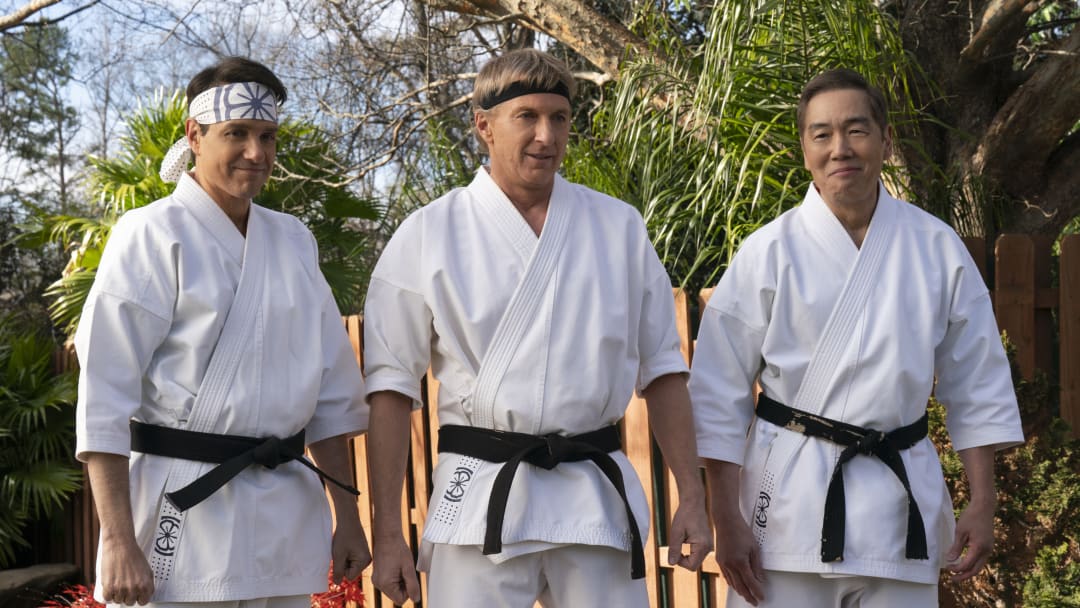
453 288
927 313
169 276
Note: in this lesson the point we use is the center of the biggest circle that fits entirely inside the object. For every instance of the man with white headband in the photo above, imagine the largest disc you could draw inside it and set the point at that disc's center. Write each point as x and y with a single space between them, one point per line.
540 306
212 354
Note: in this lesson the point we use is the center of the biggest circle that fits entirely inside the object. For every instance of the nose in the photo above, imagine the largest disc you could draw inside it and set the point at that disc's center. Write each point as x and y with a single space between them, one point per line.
841 147
254 150
545 131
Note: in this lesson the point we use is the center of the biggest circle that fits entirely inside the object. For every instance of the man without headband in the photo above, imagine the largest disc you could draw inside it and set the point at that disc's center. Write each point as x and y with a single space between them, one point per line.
505 288
212 354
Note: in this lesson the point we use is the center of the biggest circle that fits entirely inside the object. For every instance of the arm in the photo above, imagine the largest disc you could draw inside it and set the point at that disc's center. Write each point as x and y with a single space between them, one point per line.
349 551
388 452
736 549
670 418
126 577
975 527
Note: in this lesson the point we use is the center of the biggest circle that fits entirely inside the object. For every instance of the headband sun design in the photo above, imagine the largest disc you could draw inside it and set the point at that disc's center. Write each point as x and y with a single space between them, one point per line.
234 101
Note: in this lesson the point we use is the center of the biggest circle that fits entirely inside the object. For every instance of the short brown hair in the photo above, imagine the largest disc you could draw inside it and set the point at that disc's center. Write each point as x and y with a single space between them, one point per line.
840 79
526 66
236 69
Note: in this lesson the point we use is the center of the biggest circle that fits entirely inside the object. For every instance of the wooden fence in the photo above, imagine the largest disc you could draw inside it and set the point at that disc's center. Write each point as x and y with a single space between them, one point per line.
1037 316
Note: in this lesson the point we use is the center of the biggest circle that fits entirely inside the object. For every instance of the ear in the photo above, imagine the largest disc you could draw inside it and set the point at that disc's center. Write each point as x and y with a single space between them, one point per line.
888 140
483 126
193 133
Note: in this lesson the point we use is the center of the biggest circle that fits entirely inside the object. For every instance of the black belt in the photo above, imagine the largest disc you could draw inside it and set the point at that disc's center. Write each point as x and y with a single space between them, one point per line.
545 451
233 453
856 440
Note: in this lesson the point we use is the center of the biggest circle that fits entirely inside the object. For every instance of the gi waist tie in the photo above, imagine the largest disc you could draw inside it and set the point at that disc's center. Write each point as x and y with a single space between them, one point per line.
546 451
856 440
232 453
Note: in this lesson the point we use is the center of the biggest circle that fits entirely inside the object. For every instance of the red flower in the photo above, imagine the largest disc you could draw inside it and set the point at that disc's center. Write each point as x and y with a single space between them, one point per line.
339 595
76 596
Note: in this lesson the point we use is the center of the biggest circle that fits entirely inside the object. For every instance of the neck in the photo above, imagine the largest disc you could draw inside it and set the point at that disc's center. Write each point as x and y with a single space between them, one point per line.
854 216
531 203
237 209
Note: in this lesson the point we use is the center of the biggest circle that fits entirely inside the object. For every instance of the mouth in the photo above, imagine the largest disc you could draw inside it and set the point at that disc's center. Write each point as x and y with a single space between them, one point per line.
844 172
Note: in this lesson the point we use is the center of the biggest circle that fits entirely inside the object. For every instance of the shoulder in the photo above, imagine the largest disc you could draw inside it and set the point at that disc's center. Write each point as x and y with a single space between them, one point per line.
930 230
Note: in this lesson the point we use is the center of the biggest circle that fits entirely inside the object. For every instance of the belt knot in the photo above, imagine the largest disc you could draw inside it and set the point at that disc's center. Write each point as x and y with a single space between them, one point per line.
269 453
870 441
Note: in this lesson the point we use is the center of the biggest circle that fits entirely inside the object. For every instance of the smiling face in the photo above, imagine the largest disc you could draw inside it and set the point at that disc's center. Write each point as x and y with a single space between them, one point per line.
233 159
526 139
844 148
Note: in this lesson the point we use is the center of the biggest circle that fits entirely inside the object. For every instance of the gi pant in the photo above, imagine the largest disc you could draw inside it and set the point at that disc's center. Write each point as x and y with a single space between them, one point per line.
569 576
787 589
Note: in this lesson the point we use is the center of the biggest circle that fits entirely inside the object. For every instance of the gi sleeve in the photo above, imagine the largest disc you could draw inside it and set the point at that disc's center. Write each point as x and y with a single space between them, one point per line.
974 381
727 359
341 408
397 320
659 344
127 315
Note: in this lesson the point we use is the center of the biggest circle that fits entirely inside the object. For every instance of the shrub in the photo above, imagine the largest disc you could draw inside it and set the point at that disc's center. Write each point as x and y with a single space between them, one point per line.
1036 560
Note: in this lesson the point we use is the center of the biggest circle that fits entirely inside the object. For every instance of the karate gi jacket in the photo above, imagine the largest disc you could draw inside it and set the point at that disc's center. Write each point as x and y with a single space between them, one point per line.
170 276
926 314
537 335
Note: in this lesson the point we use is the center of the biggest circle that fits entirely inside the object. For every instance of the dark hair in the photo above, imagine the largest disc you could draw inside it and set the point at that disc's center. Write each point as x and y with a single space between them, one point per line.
236 69
838 79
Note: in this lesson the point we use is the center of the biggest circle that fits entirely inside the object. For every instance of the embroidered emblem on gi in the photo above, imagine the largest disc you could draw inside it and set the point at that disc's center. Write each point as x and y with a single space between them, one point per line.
760 516
168 533
456 490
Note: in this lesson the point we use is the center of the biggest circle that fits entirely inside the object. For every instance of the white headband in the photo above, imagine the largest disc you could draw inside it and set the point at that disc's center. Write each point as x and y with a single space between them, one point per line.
235 101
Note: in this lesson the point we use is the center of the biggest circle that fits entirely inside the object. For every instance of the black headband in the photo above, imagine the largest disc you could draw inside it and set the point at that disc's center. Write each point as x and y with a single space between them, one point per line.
517 89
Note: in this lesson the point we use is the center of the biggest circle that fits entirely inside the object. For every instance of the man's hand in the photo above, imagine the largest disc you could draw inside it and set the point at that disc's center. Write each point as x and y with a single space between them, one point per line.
395 571
737 551
975 528
349 551
126 577
739 557
975 533
689 526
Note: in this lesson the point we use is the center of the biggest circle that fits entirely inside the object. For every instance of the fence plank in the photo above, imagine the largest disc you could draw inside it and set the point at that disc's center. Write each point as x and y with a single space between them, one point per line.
685 585
976 246
1069 337
1014 296
637 441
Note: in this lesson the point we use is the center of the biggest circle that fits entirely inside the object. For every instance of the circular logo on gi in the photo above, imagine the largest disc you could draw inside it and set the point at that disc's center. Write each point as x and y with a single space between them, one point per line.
760 517
455 491
167 536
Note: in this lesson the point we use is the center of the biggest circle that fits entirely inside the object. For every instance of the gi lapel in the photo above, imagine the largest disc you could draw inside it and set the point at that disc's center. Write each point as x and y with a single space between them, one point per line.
838 332
240 324
522 309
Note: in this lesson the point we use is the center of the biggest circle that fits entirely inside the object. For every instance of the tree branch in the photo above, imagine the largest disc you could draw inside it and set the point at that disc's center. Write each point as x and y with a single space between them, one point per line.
11 20
999 15
602 41
1038 114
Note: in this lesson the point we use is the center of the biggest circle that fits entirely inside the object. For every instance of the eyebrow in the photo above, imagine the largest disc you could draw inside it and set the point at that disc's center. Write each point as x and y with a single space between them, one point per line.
860 120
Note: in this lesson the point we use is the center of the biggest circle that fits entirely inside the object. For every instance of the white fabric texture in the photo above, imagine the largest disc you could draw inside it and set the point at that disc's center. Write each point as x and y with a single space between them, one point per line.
235 101
168 278
569 576
928 314
603 324
790 589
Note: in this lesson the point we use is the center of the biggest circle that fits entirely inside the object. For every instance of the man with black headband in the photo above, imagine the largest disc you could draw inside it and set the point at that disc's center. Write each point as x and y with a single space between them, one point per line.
540 306
211 355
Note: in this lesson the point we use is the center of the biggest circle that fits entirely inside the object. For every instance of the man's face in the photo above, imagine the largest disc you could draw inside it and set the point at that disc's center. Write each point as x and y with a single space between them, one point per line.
526 138
844 148
234 158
